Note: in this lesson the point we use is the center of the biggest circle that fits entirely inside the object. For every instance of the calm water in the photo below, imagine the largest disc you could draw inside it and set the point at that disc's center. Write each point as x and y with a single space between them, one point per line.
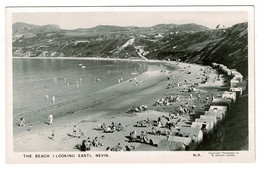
35 78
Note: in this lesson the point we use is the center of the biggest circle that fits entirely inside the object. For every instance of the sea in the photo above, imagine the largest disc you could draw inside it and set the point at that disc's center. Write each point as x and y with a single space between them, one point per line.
65 79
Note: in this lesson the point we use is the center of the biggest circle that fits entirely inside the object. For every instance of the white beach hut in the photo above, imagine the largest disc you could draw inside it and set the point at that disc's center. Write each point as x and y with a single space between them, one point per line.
229 95
219 115
234 82
194 133
212 118
224 108
209 121
205 127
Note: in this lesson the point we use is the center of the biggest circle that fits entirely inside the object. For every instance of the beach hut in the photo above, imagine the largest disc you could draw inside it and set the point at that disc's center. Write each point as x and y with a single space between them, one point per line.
223 112
218 115
224 108
214 65
205 127
171 146
189 145
233 71
239 77
242 85
229 95
209 121
194 133
212 118
219 101
233 82
186 140
238 90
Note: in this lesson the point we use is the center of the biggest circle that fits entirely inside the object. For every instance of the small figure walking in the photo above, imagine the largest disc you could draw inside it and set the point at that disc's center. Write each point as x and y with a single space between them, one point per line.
190 95
52 134
53 99
207 99
46 97
75 130
198 96
178 97
50 118
193 109
30 127
22 121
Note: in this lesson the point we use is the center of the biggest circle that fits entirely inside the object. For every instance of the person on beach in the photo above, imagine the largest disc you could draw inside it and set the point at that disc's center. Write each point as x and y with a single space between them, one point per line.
96 142
50 118
103 126
55 80
77 83
46 97
22 121
118 147
190 95
198 96
52 134
30 127
181 110
83 146
75 130
207 99
193 109
178 97
53 99
133 136
113 126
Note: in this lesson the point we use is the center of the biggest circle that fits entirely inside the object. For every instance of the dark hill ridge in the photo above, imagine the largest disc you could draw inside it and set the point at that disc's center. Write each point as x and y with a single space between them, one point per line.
188 42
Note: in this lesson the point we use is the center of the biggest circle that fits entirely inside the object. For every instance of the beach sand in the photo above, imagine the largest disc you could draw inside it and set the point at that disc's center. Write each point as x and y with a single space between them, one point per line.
110 105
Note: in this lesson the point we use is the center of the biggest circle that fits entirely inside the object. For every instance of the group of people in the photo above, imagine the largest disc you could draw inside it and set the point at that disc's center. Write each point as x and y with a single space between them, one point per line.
167 100
142 138
87 144
137 109
112 128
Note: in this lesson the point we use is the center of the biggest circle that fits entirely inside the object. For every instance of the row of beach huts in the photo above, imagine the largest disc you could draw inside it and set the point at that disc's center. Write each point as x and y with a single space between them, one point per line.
207 125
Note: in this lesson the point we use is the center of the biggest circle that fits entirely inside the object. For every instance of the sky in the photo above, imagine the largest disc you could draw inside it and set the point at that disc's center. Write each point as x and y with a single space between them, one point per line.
74 20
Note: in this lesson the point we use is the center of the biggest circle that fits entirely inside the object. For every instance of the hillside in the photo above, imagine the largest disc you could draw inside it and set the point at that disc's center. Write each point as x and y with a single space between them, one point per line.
188 42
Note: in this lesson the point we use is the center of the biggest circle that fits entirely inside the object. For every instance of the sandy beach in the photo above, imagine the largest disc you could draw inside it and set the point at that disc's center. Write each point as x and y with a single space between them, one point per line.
111 104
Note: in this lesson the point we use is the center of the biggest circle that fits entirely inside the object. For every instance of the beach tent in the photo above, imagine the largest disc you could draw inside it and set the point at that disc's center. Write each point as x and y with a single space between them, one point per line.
171 146
229 95
224 108
194 133
212 118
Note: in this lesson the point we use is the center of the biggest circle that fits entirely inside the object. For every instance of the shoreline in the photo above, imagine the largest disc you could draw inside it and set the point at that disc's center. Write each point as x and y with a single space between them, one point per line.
96 58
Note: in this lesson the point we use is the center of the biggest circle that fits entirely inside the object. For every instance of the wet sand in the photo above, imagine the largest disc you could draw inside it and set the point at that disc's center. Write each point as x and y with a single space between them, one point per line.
110 105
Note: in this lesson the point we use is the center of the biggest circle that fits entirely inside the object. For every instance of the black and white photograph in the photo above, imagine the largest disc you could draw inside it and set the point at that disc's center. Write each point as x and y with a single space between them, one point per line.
97 82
